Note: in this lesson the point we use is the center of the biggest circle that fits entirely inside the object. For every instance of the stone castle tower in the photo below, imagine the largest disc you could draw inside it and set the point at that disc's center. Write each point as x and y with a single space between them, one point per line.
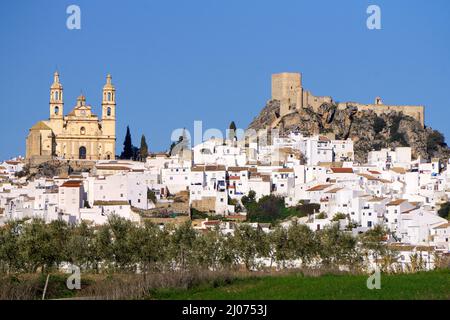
287 88
78 135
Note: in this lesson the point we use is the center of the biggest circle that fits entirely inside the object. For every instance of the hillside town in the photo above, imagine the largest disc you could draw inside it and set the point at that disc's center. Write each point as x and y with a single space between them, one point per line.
391 189
313 180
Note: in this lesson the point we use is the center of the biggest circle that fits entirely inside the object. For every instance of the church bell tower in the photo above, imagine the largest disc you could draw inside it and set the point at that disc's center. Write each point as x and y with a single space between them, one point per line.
56 104
109 110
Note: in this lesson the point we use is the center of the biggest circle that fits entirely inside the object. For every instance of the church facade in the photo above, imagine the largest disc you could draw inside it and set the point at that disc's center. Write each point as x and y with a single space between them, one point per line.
78 135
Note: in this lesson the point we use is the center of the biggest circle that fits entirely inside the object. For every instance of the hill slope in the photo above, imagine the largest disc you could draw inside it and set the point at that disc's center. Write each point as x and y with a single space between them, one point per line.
368 130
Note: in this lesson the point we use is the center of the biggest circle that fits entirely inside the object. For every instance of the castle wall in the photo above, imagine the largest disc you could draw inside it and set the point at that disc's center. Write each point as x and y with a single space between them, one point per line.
287 88
416 112
313 101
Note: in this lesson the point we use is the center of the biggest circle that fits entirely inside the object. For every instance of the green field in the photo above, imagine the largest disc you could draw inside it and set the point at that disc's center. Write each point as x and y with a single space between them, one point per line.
424 285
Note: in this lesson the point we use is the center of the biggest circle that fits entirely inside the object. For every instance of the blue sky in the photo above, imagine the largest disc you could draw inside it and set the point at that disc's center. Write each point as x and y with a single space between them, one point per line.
174 62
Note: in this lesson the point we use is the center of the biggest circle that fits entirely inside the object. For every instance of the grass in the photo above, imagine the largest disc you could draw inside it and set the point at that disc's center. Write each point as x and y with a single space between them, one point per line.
418 286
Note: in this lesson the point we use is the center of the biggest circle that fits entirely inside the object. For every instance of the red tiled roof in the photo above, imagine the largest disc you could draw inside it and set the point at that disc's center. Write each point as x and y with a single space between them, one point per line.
443 226
319 187
118 168
13 162
284 170
213 222
396 202
72 184
342 170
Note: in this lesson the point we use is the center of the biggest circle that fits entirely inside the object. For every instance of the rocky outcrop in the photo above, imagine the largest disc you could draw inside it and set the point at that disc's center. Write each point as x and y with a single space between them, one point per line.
368 130
52 168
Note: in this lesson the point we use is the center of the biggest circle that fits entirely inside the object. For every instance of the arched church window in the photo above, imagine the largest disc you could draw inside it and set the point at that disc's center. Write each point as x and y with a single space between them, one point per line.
109 96
82 153
108 111
56 110
82 130
56 95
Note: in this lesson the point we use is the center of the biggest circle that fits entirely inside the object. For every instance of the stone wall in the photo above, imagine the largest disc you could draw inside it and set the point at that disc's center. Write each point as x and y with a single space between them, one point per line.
287 88
207 204
416 112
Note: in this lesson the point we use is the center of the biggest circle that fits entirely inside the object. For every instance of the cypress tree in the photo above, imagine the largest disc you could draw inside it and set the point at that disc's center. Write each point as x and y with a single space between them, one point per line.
143 151
127 146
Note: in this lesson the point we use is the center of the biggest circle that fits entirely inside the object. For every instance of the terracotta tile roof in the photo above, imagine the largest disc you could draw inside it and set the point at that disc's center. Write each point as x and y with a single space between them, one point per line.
396 202
374 172
284 170
409 210
398 170
236 217
237 169
443 226
376 199
331 164
368 176
214 168
334 190
212 222
115 168
319 187
342 170
72 184
208 168
110 203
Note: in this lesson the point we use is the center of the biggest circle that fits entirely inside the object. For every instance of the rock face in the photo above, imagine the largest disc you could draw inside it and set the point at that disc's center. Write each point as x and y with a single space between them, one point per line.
52 168
368 130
